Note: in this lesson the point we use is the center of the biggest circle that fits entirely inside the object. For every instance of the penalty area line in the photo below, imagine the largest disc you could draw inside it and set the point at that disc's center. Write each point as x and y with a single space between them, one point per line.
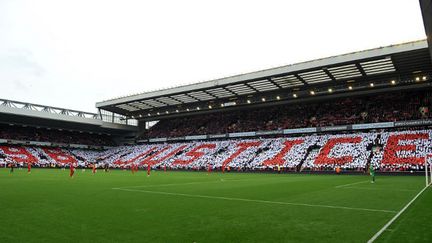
256 201
395 217
350 184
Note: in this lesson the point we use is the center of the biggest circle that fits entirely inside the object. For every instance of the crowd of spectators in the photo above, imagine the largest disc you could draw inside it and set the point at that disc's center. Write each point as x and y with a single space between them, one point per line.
26 133
397 106
386 151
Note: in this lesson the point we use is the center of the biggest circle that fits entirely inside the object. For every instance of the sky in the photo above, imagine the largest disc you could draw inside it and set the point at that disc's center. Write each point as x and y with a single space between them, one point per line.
72 54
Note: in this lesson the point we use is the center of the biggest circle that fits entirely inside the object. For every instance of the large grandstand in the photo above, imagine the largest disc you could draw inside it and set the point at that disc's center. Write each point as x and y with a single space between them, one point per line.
346 114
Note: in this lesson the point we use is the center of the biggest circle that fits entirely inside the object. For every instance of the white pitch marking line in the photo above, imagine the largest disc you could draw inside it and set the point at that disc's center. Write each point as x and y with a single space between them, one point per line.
188 183
355 183
395 217
257 201
177 184
379 189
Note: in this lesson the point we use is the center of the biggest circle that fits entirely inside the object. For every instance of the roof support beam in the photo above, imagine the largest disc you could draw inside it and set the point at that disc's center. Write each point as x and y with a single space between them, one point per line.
249 86
205 91
362 71
277 85
191 97
301 79
227 90
161 102
181 102
329 74
134 106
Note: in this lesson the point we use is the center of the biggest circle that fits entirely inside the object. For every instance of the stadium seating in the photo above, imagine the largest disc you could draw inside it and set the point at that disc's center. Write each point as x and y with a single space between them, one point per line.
398 106
386 151
53 135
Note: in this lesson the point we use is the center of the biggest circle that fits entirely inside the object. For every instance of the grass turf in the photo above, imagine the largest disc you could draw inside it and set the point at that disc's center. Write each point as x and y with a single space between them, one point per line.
48 206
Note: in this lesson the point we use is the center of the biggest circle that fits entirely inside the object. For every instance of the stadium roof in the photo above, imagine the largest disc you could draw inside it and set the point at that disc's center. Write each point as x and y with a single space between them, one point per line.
400 63
426 8
23 113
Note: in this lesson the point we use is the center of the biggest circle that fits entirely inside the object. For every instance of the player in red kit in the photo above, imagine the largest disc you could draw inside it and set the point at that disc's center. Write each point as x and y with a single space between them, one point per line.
28 168
94 169
72 170
209 169
11 165
148 170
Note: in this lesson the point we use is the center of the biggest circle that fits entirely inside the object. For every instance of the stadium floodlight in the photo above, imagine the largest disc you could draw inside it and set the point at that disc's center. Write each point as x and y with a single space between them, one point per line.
393 82
295 95
312 92
158 113
263 99
222 105
210 107
187 109
140 115
330 90
177 111
198 108
417 79
148 114
278 97
350 87
371 84
248 101
167 112
424 78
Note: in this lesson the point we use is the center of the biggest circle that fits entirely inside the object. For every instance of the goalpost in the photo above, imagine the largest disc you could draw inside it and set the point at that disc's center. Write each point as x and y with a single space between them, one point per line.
428 169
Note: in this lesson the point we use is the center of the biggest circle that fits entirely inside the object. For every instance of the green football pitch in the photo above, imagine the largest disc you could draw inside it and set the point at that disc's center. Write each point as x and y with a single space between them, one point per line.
48 206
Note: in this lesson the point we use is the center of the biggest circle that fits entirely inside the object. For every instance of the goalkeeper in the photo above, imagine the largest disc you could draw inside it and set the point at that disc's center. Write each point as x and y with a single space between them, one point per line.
372 173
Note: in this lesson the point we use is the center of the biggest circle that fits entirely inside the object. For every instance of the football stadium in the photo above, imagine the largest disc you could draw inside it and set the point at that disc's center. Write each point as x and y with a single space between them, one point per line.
337 149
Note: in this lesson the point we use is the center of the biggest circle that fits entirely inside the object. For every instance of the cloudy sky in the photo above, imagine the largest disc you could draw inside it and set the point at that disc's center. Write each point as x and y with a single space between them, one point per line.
74 53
